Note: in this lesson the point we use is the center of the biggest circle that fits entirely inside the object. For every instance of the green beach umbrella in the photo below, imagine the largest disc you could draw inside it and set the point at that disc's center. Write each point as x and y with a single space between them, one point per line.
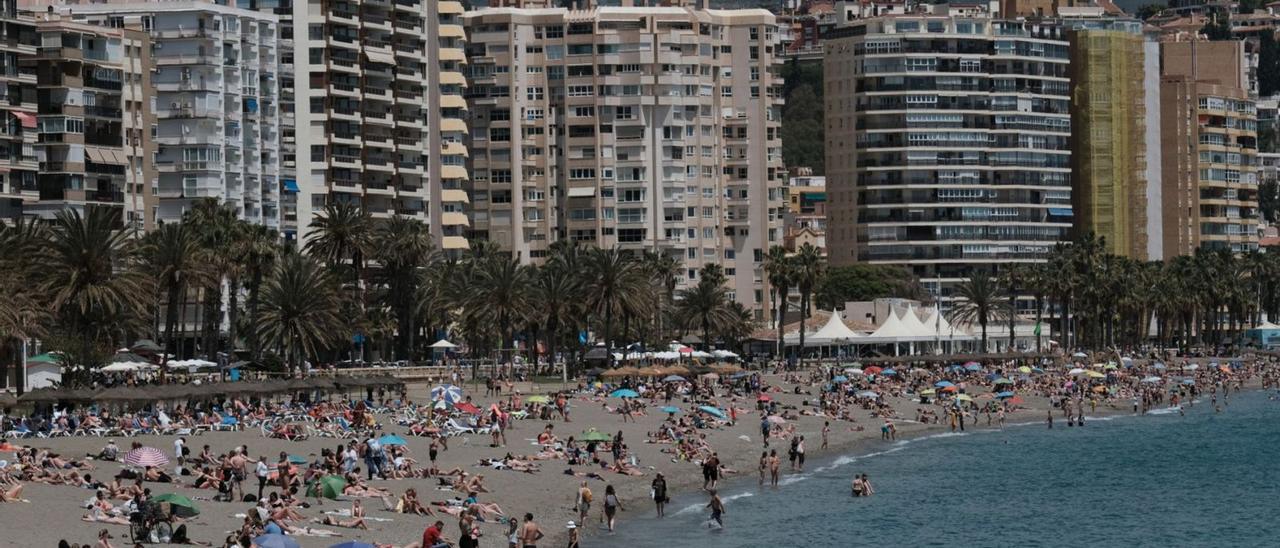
1003 381
44 358
180 506
964 397
328 487
594 435
538 399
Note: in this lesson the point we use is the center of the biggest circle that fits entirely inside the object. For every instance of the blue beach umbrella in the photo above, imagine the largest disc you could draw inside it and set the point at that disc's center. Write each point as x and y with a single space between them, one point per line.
624 393
1159 365
353 544
670 409
297 459
868 394
942 384
673 378
275 541
449 393
1005 394
840 378
888 372
972 367
713 411
229 421
1188 381
392 439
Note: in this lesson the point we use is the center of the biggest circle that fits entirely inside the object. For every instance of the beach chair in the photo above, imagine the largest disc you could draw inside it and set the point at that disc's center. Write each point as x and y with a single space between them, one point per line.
454 428
20 432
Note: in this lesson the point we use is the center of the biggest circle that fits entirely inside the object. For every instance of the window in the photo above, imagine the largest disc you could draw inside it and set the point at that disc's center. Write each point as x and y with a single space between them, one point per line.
534 93
632 195
582 173
631 215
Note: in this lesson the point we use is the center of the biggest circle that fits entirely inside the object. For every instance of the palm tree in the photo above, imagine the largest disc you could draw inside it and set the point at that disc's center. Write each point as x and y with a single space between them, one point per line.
300 308
664 271
92 279
500 295
555 291
402 248
24 313
778 269
612 281
808 272
256 250
982 301
176 260
214 226
342 232
707 304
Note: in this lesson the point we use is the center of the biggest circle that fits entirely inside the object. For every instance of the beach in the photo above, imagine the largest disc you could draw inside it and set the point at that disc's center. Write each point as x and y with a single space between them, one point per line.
549 494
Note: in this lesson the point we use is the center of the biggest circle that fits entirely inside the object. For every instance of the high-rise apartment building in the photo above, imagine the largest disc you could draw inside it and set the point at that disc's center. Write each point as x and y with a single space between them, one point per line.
95 120
948 144
1115 105
216 101
380 111
645 127
18 163
1210 145
283 10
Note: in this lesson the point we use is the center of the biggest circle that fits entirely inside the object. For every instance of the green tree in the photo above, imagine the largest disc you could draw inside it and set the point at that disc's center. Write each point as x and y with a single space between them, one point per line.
176 260
300 309
809 266
982 301
613 281
707 305
781 275
864 282
501 296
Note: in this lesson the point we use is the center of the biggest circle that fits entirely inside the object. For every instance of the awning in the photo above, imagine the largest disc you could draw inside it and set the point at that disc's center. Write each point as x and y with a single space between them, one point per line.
454 242
452 101
380 57
453 77
1060 211
453 172
94 155
451 7
120 157
28 120
454 195
582 192
453 54
453 124
291 185
452 31
453 218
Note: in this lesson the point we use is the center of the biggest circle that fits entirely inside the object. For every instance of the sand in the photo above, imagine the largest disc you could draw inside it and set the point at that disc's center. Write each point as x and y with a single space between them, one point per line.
54 512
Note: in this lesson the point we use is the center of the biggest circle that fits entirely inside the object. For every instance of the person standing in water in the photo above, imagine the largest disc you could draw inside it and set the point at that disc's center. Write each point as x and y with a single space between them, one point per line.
717 508
774 464
660 494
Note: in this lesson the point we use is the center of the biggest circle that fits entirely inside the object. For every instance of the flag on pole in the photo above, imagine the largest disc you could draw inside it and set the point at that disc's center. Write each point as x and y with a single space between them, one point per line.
1037 332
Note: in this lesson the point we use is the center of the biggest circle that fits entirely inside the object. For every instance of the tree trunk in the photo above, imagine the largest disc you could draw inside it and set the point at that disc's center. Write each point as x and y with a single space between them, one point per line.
255 346
782 318
233 315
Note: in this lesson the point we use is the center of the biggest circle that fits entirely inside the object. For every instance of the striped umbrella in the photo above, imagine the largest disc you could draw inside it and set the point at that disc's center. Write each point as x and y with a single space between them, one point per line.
143 457
448 393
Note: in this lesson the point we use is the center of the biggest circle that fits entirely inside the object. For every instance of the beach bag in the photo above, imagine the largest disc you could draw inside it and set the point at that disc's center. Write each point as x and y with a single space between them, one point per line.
586 497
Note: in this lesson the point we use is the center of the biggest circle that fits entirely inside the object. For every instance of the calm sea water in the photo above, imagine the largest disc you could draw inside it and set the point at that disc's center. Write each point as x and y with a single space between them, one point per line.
1203 479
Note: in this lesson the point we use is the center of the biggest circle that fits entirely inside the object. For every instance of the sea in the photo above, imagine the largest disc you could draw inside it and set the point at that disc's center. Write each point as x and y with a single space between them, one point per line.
1162 479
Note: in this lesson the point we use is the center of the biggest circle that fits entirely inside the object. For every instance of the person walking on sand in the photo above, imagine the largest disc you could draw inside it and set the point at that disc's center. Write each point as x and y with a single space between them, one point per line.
584 501
799 455
611 506
530 533
660 494
717 509
826 432
513 533
573 534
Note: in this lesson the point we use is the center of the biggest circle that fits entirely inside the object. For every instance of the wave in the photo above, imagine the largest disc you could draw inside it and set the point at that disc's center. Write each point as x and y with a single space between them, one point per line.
693 508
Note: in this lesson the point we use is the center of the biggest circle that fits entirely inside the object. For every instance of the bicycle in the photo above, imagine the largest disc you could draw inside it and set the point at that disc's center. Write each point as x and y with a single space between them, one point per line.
151 524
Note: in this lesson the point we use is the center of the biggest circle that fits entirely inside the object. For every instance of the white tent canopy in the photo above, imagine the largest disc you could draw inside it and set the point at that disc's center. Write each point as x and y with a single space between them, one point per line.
918 330
938 324
443 344
834 333
892 330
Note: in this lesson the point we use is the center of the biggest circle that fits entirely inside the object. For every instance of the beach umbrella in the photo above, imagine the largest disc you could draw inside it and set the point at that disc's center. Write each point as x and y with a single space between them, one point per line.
353 544
868 394
971 366
673 378
143 457
713 411
329 487
1079 355
840 379
1159 365
942 384
538 399
447 392
624 393
1024 369
1188 381
964 397
671 409
179 505
889 372
297 459
928 392
987 396
1191 366
949 389
1076 371
774 419
443 345
1016 400
392 439
853 371
873 370
467 408
1003 381
764 397
1096 375
1151 379
1005 394
594 435
275 541
920 372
